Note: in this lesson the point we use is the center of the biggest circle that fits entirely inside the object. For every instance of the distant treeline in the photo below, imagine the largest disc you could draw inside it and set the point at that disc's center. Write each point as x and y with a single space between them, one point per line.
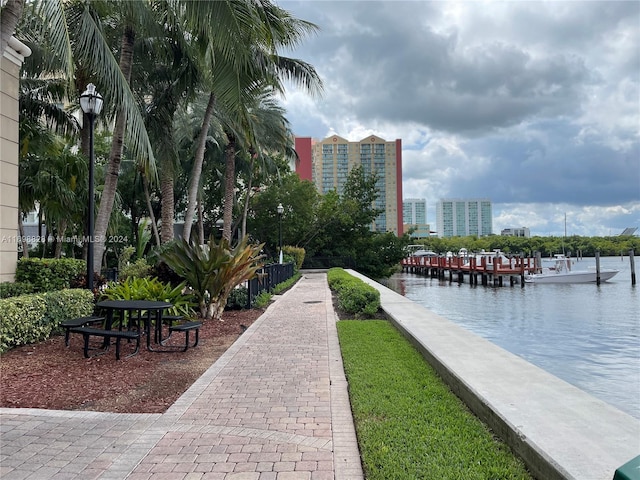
547 246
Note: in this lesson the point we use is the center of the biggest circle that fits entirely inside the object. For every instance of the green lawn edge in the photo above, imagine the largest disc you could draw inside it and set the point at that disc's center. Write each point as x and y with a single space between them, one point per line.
408 423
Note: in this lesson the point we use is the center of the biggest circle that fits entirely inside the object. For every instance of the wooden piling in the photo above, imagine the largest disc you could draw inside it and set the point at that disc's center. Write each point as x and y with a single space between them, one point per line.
632 264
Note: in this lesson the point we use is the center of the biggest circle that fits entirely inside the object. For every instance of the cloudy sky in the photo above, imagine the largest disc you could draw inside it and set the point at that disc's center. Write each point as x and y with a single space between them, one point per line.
534 105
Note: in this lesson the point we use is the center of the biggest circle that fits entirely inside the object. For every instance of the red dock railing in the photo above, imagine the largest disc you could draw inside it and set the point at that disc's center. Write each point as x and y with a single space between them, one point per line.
486 265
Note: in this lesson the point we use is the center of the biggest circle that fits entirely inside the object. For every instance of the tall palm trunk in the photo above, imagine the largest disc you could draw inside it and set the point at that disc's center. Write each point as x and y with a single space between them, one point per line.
200 221
229 185
62 228
147 197
168 207
196 171
245 209
115 155
25 245
9 18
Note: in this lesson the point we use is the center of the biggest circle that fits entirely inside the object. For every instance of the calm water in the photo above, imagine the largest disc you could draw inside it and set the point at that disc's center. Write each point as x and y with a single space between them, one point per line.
585 334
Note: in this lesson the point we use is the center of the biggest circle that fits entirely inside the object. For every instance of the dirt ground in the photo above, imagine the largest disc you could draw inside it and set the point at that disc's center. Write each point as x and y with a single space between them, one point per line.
51 376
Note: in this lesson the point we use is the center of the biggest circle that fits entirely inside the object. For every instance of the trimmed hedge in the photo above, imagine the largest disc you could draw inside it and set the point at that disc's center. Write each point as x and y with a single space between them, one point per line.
33 318
354 296
47 274
15 289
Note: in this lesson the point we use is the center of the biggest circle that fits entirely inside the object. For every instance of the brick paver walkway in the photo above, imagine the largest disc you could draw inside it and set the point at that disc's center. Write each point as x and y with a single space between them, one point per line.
273 407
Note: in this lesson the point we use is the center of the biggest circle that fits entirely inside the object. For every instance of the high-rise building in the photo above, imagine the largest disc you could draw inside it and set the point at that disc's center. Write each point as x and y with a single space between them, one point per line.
328 162
464 217
414 214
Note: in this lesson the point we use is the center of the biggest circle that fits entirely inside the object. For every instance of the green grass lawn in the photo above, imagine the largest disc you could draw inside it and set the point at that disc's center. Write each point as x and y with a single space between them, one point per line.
409 424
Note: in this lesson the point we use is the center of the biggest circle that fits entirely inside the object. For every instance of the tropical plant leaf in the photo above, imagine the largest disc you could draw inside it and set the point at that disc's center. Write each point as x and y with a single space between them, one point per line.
213 270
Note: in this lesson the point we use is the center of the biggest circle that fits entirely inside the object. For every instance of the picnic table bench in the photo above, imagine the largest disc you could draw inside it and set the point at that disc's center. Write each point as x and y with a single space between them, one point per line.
186 327
78 322
88 332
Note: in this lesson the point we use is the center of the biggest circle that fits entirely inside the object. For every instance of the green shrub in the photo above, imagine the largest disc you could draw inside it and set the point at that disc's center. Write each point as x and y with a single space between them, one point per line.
359 299
354 296
140 268
125 256
21 321
338 276
48 274
238 298
262 299
66 304
152 289
15 289
287 284
297 253
32 318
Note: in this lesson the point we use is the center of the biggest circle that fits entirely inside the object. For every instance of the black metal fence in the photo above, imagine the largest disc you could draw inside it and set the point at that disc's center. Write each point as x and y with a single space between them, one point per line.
268 277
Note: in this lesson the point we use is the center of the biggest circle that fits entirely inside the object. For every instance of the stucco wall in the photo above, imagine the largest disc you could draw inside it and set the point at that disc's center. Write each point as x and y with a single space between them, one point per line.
10 65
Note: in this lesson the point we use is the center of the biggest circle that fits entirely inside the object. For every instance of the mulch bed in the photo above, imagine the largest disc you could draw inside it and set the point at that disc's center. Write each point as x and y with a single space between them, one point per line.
51 376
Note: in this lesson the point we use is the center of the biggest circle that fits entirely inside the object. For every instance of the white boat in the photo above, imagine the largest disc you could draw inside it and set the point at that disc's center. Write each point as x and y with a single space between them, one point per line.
561 272
489 259
419 251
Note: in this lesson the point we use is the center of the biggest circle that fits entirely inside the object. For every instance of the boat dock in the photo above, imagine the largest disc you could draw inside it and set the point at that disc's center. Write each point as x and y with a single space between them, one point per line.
487 268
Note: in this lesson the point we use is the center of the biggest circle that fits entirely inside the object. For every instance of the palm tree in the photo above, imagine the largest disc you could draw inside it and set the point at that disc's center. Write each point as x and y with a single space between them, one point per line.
174 78
273 72
254 30
72 36
275 138
42 124
131 15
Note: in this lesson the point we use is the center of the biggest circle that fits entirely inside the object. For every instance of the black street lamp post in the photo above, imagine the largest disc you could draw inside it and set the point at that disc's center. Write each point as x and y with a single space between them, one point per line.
91 104
280 212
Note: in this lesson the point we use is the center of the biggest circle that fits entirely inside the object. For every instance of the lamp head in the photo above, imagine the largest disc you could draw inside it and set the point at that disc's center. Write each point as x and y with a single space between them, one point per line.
280 209
91 101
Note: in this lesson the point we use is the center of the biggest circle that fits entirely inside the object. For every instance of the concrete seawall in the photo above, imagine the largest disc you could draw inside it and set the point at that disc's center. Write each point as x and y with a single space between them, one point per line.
560 431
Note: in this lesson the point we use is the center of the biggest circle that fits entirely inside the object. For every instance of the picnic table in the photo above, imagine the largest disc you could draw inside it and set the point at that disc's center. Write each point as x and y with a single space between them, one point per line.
129 320
140 314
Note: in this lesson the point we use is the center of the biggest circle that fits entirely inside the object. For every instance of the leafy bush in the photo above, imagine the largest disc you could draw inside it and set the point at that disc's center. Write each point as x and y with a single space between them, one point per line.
21 321
262 299
359 299
32 318
354 296
80 281
151 289
297 253
238 298
15 289
49 273
287 284
336 277
125 256
140 268
67 304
